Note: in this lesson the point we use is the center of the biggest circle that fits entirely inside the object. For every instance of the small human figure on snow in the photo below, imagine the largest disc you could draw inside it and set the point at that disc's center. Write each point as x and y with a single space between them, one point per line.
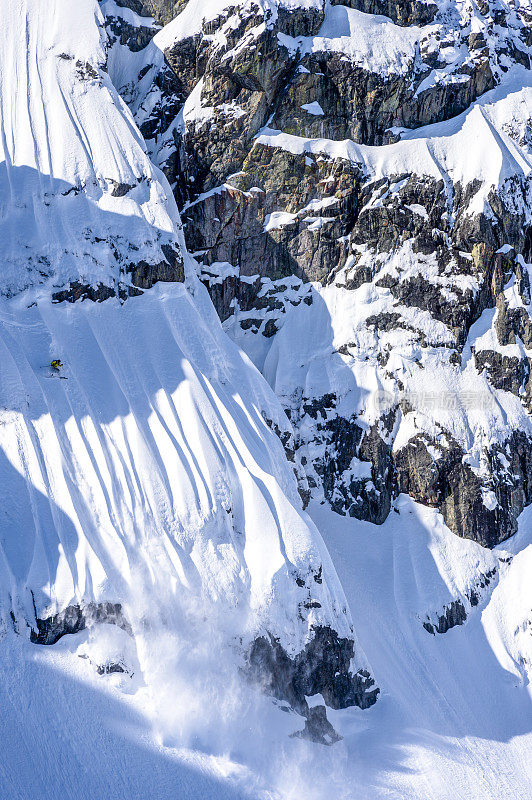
56 364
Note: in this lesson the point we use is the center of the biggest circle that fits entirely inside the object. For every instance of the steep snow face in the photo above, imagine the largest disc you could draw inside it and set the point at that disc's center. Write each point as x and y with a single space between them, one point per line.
80 200
147 462
141 480
454 719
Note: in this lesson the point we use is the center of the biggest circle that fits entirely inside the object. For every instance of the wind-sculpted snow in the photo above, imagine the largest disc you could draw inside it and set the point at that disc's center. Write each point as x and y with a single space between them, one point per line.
171 621
79 198
144 483
147 459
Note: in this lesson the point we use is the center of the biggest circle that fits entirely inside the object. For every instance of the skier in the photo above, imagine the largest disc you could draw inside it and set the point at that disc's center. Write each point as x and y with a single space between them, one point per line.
56 364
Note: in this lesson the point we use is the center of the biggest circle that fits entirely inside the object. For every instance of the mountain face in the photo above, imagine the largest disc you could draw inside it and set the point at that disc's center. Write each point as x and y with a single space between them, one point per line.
82 205
145 465
385 159
281 250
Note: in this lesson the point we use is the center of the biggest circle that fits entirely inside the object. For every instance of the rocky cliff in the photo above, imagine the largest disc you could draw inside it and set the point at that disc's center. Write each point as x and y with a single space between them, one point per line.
258 494
358 175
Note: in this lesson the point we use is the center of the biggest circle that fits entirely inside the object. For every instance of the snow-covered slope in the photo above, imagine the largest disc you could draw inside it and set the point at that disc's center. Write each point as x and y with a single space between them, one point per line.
80 200
453 719
147 462
171 620
143 485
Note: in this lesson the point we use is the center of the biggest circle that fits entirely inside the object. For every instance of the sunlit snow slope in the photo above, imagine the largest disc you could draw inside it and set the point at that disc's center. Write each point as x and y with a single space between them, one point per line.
145 463
144 485
146 466
79 198
147 506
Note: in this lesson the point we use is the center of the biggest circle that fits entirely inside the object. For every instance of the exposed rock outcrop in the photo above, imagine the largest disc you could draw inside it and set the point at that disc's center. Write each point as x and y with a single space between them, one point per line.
323 667
262 118
76 618
403 12
454 614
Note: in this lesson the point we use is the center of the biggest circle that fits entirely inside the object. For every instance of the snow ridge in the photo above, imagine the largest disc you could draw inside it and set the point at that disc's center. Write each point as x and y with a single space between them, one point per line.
147 460
80 200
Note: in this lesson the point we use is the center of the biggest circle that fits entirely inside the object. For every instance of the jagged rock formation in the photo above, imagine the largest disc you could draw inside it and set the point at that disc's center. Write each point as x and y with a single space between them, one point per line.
454 614
318 728
323 667
261 114
76 618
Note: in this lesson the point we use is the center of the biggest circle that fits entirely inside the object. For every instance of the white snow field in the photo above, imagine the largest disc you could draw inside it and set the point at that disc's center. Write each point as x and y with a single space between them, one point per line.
68 150
153 450
454 717
147 463
144 473
453 720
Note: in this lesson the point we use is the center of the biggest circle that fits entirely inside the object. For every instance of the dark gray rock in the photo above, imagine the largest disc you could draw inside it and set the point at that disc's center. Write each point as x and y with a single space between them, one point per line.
79 291
171 269
131 36
509 373
323 667
364 106
317 728
110 668
76 618
450 485
402 12
454 614
475 594
163 11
